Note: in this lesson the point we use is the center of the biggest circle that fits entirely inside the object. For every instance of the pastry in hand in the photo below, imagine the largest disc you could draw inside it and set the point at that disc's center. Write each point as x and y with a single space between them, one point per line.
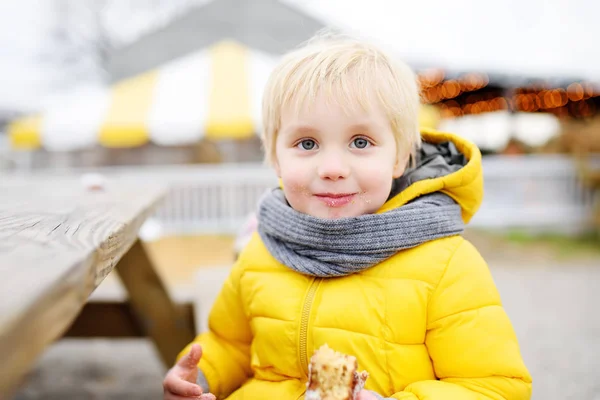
333 376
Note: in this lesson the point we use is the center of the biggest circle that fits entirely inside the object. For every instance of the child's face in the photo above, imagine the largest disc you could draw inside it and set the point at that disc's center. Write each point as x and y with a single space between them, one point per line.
335 165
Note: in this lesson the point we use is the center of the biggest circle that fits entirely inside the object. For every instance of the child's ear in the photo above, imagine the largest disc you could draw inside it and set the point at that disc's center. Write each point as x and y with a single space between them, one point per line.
400 166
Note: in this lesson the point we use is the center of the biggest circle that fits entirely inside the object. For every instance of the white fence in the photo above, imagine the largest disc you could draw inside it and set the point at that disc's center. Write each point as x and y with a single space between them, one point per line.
215 199
538 192
532 192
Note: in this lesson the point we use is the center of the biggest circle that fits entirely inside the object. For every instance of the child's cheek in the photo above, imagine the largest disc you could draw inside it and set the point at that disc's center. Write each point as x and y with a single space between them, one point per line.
296 190
299 189
376 175
294 179
377 184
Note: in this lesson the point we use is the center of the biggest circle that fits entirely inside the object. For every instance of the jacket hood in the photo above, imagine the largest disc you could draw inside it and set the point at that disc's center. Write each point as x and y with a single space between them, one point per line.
445 163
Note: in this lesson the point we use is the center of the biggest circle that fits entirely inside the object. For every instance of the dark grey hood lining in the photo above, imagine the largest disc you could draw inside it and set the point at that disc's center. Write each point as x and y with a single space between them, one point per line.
432 161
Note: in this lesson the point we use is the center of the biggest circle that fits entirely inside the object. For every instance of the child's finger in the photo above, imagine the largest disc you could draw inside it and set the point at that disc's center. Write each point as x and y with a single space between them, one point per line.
181 387
195 354
208 396
191 359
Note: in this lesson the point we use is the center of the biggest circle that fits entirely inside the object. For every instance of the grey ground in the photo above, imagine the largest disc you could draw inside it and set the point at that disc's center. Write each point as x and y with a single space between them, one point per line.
553 304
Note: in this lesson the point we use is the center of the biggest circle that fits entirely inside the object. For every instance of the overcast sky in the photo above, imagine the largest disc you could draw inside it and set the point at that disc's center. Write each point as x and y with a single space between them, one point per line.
544 37
538 37
21 39
29 75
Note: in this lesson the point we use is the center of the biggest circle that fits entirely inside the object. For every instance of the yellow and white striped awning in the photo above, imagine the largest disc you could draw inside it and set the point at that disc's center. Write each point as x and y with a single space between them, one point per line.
215 93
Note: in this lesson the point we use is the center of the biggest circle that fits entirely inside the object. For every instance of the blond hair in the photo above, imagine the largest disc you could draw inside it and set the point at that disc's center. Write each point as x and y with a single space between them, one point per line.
351 72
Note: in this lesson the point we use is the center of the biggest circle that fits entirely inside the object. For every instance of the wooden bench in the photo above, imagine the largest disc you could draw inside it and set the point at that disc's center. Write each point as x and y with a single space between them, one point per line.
135 304
59 240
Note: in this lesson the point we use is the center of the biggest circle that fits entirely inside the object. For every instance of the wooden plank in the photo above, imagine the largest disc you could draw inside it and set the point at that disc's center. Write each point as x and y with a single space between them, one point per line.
160 318
58 240
115 320
106 320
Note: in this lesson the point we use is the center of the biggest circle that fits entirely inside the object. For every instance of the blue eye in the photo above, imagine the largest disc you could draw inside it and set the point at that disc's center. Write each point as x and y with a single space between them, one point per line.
360 143
307 144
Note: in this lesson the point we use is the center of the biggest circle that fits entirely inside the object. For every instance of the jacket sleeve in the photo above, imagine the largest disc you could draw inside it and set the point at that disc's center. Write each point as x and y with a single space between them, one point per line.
470 339
225 359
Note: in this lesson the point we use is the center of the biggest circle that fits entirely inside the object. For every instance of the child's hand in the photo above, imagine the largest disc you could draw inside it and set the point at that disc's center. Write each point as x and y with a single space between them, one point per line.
366 395
180 381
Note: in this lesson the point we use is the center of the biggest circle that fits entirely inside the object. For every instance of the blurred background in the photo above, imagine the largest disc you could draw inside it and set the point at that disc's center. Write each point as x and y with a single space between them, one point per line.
170 90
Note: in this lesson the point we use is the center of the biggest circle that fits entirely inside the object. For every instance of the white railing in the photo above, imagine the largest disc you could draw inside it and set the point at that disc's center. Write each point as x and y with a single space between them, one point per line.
538 192
214 199
533 192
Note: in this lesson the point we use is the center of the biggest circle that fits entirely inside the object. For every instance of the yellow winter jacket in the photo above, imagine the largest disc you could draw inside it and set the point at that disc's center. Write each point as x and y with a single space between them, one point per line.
426 323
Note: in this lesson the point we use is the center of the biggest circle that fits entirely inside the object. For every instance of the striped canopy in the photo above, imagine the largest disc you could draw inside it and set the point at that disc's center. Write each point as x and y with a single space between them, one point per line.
214 93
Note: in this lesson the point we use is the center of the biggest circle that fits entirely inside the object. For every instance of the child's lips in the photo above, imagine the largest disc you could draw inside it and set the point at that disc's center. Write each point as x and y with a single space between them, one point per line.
335 199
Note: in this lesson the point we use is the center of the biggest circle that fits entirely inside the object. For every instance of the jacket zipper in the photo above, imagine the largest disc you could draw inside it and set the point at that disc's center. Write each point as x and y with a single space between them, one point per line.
303 339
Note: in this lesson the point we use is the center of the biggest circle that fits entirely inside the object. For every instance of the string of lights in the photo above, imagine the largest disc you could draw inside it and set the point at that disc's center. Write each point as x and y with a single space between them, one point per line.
476 93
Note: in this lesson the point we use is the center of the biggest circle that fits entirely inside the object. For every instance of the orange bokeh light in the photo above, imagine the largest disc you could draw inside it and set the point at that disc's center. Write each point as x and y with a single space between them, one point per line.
575 92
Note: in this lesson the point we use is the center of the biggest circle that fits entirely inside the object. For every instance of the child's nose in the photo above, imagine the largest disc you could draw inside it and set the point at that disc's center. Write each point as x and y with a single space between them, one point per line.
333 168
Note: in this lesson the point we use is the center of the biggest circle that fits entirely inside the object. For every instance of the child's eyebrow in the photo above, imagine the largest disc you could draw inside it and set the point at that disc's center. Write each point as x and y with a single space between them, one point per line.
302 130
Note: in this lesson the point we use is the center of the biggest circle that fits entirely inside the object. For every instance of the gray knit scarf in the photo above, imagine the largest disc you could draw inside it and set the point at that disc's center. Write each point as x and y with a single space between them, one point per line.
338 247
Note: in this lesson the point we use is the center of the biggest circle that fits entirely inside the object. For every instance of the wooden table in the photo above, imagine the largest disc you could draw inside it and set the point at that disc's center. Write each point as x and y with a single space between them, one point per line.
58 240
